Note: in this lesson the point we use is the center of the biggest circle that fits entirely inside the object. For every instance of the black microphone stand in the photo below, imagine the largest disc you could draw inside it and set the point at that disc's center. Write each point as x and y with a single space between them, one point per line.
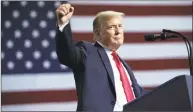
188 46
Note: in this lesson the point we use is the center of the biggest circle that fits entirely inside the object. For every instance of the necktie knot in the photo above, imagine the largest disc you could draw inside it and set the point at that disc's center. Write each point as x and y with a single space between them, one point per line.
115 57
114 53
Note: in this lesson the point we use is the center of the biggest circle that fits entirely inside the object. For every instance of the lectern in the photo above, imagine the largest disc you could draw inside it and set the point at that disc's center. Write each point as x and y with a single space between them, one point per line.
173 95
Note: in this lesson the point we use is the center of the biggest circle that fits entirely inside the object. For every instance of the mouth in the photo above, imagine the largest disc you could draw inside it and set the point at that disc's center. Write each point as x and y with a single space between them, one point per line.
117 38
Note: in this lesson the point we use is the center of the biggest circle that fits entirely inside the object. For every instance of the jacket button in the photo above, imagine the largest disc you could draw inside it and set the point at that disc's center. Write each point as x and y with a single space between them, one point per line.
113 102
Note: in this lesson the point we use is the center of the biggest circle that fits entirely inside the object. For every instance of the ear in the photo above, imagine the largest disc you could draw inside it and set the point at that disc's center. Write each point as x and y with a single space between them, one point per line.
97 32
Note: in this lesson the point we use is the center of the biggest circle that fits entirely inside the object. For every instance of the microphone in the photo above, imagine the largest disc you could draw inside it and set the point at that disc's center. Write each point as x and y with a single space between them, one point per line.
173 34
162 36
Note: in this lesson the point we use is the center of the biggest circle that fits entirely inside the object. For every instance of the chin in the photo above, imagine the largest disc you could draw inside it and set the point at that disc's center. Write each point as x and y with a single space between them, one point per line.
116 45
119 42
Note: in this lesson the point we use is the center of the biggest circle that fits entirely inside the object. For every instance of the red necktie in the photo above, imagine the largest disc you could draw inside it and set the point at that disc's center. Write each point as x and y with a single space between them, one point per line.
123 76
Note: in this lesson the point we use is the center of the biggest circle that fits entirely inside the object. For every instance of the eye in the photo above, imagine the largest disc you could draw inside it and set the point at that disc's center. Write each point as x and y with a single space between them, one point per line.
110 27
120 25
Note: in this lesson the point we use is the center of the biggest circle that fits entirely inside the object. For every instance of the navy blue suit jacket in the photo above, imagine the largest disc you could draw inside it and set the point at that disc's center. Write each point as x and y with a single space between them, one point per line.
93 73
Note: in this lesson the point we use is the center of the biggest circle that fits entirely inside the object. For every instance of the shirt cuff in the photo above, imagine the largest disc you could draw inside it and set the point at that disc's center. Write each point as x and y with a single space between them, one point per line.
61 27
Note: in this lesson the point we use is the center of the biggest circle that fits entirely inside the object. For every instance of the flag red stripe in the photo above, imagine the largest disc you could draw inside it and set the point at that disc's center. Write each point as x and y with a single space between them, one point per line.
30 97
38 96
134 10
130 37
158 64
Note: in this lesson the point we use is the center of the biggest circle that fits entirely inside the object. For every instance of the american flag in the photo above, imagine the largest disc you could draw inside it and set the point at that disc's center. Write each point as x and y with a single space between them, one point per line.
33 79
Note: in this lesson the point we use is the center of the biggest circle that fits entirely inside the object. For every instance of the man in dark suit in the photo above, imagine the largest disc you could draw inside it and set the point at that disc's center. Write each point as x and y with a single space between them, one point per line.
104 82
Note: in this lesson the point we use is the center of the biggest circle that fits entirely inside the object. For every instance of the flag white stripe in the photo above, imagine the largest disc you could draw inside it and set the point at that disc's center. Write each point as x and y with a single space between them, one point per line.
63 106
156 77
139 23
153 51
65 81
39 81
142 3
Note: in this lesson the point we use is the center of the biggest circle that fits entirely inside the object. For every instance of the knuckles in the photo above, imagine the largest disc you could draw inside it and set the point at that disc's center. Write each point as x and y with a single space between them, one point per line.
63 7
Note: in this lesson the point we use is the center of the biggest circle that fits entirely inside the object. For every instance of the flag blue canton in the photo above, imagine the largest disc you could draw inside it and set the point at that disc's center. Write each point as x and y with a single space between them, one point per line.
28 37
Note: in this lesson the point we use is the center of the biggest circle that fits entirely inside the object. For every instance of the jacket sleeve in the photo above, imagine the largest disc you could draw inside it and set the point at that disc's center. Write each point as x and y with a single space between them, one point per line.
69 53
143 91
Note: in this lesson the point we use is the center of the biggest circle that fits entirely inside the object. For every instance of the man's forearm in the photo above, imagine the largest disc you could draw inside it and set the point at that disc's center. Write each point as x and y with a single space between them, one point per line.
68 53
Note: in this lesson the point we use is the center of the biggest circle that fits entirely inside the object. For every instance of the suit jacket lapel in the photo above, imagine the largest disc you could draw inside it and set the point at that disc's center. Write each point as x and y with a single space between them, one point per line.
106 62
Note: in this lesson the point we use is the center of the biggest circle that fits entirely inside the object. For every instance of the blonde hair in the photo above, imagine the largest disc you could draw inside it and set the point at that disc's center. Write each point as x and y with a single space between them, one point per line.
102 16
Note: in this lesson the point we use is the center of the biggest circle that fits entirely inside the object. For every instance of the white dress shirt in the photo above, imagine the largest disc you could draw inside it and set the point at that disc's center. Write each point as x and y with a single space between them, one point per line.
120 94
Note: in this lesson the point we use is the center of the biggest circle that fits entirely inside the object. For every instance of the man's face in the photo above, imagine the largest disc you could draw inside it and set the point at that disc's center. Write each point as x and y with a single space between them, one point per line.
111 32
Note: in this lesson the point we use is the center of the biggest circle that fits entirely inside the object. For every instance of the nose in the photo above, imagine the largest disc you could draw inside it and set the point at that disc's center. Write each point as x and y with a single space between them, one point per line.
117 30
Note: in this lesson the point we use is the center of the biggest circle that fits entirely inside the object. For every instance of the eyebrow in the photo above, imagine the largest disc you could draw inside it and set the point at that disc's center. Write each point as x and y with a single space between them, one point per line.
114 24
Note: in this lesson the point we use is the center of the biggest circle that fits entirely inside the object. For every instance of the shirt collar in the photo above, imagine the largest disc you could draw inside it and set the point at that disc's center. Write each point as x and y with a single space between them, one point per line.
107 50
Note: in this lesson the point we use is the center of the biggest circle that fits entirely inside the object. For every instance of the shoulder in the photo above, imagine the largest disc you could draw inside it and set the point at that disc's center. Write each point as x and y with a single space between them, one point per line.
85 44
86 47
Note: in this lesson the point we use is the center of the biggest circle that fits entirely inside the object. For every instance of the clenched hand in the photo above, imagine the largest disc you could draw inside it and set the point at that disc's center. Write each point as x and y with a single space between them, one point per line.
64 12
